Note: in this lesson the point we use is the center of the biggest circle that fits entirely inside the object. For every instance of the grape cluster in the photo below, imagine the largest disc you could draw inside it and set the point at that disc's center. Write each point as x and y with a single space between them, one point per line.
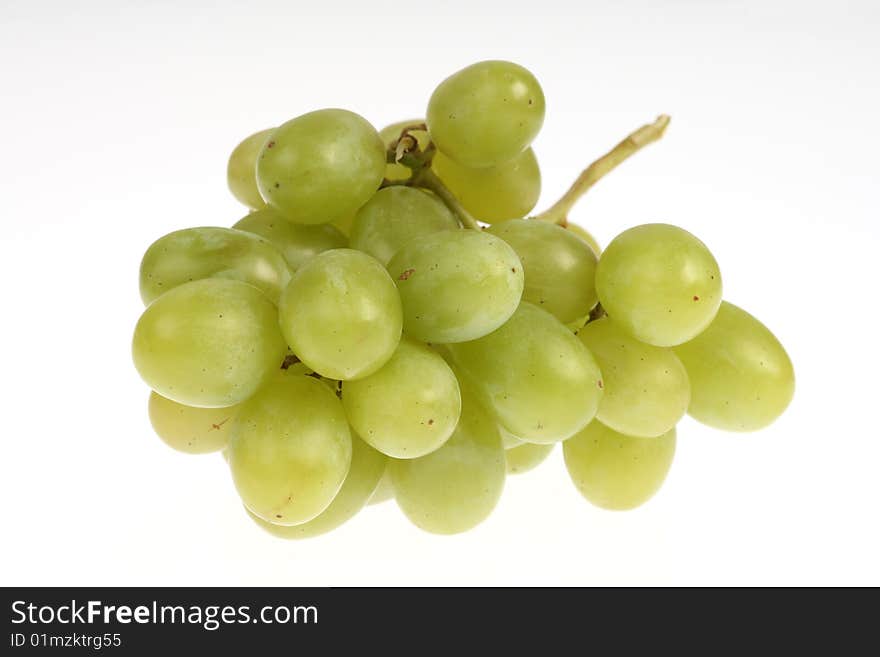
361 335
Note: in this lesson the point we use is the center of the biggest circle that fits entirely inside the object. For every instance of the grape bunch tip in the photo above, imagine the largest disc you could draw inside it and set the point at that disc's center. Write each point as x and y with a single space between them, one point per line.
390 321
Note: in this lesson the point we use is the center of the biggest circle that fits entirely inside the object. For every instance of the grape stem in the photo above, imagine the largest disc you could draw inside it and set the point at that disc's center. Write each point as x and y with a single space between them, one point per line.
598 312
634 142
429 180
406 150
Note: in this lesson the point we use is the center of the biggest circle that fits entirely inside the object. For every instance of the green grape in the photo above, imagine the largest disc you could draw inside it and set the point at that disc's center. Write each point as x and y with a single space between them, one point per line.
486 114
321 166
298 243
208 343
741 377
614 471
455 487
407 408
395 171
577 324
586 236
659 283
290 450
367 468
396 215
646 388
384 491
559 268
525 457
456 285
508 439
341 314
507 191
343 224
541 381
241 172
189 429
194 253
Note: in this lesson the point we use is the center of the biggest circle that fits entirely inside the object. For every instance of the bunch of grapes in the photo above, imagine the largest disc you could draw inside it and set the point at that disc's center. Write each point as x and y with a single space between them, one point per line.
386 323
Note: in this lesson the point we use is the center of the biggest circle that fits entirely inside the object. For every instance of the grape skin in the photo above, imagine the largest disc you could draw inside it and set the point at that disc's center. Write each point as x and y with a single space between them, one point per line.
486 114
341 314
298 243
395 216
559 268
321 166
194 253
241 171
407 408
508 439
290 450
586 236
384 491
525 457
507 191
541 381
646 388
367 469
741 377
343 224
614 471
189 429
454 488
210 343
659 283
456 285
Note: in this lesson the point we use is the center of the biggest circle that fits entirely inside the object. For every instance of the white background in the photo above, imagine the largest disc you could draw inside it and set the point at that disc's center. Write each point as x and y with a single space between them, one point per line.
116 120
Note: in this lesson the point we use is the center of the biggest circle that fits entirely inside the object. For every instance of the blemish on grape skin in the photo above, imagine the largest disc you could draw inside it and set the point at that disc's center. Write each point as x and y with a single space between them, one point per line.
270 144
696 298
406 274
